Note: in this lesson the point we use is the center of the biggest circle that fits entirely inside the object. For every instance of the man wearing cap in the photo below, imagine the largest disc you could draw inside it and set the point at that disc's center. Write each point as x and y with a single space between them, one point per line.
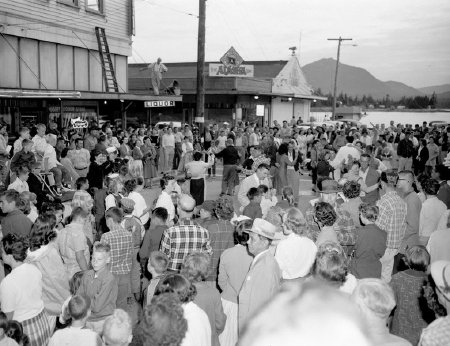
91 139
187 236
344 225
260 177
80 157
263 278
438 332
230 157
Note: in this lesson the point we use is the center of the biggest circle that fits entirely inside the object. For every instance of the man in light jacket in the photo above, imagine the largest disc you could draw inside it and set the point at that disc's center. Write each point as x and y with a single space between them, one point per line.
264 276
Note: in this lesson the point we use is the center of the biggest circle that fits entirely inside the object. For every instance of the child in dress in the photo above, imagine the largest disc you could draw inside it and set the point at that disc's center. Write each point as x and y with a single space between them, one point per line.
269 199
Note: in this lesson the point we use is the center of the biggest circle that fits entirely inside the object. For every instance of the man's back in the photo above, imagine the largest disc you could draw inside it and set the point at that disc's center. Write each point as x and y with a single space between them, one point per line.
73 336
179 240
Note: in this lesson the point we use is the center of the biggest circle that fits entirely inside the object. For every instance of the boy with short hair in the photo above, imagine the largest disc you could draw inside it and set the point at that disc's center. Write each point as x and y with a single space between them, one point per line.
157 265
76 333
117 330
134 226
100 286
121 242
253 209
20 184
153 236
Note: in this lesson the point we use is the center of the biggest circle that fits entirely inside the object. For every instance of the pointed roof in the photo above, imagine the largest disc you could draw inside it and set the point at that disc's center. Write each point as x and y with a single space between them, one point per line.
292 80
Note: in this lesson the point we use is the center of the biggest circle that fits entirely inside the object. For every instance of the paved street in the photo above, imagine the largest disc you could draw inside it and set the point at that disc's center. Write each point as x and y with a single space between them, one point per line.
213 189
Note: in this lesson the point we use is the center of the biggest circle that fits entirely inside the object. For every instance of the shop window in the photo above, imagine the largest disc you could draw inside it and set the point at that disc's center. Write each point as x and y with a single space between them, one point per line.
95 5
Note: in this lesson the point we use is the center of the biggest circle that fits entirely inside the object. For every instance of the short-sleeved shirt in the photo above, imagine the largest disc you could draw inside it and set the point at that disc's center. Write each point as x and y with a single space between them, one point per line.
121 243
73 336
21 292
72 239
182 239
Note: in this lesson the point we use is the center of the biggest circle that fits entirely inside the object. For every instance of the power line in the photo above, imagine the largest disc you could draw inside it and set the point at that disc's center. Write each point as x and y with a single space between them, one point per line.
26 64
171 8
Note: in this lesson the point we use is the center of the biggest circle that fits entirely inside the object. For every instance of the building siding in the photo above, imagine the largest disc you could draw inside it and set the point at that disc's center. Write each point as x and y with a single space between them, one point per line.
53 21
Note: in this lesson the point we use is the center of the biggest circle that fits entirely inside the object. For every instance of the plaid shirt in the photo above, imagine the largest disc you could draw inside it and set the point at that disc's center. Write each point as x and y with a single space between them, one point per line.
179 240
392 218
221 237
121 243
437 333
344 226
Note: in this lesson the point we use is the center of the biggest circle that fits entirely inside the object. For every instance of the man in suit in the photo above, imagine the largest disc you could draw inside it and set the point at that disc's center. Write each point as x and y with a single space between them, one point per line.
370 178
256 179
263 278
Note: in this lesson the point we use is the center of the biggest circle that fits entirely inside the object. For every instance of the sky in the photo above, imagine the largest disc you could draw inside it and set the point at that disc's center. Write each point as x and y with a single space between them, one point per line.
402 40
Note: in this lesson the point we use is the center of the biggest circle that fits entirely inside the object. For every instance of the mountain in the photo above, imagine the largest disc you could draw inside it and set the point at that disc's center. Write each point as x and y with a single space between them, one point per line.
438 89
354 81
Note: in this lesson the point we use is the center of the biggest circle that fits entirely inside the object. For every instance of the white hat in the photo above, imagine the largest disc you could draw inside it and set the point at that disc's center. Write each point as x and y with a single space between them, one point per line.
440 271
264 228
110 150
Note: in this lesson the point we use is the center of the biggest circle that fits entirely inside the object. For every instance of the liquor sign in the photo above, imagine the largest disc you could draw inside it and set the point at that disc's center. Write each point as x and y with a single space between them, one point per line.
152 104
231 66
79 123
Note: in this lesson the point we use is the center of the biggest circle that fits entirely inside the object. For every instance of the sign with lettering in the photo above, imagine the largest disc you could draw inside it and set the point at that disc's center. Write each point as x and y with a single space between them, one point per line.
231 66
79 123
220 70
153 104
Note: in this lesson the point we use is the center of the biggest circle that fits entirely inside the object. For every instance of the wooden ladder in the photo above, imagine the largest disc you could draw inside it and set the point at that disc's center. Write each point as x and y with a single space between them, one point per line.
107 66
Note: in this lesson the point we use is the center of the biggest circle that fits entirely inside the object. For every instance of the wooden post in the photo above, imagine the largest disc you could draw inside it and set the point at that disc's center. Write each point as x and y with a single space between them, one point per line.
200 99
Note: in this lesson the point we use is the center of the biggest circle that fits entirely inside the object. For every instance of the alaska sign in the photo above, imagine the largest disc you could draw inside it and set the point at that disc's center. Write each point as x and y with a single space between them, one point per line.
231 66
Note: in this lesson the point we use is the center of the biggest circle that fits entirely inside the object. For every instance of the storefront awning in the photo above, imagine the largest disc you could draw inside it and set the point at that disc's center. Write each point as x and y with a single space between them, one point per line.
296 96
84 95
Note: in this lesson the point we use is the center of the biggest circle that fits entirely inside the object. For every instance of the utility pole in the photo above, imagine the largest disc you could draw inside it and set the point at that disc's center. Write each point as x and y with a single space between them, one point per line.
200 100
340 39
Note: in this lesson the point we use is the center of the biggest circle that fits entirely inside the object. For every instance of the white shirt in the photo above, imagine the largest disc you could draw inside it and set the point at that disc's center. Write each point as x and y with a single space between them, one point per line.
74 336
19 185
342 155
168 140
295 256
267 203
21 292
246 184
110 201
139 206
39 144
165 201
430 214
198 327
50 154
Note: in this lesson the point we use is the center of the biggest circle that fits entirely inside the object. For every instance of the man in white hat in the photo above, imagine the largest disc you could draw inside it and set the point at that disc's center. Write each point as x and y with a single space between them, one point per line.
263 278
438 332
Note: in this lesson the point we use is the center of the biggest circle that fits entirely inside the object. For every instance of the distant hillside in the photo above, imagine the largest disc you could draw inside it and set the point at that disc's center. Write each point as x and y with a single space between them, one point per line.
438 89
354 81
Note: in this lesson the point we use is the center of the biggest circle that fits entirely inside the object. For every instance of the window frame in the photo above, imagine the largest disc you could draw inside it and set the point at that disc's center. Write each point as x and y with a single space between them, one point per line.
70 3
101 7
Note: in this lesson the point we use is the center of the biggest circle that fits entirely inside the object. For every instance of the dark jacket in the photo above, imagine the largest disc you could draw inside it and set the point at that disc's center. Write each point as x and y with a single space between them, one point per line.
22 159
230 155
16 223
405 148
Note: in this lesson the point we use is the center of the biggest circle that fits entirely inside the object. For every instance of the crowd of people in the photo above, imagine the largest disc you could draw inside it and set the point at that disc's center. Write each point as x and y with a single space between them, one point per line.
364 258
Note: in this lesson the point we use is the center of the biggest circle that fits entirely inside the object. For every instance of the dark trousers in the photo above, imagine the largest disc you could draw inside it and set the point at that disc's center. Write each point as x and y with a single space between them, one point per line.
177 155
229 179
198 190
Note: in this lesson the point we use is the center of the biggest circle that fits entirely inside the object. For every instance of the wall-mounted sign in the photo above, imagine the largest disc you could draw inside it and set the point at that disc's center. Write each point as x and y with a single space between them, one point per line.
79 123
152 104
259 110
231 66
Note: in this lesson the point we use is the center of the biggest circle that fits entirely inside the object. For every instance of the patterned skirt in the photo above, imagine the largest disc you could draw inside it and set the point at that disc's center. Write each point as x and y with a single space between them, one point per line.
38 329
